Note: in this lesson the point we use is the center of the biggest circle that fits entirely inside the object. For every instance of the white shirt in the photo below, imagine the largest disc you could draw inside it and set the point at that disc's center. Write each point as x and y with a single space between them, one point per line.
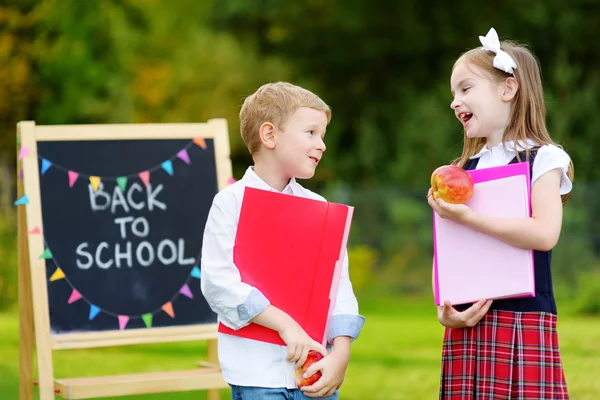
548 157
246 362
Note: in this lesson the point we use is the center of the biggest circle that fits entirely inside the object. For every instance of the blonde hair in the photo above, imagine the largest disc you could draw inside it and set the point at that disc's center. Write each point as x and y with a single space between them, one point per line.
275 103
527 119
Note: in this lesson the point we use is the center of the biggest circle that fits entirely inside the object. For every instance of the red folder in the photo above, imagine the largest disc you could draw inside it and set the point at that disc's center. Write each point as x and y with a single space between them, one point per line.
292 250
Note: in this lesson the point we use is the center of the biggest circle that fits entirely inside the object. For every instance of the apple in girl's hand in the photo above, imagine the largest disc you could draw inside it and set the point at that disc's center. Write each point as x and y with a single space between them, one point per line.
312 357
452 184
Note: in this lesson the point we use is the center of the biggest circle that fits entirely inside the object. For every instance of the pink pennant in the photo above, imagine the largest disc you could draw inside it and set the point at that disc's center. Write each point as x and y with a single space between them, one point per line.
72 178
183 154
185 290
23 152
35 230
145 177
21 174
75 295
231 181
123 320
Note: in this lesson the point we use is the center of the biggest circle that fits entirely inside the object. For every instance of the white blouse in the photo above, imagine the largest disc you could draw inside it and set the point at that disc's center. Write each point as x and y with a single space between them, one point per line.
548 157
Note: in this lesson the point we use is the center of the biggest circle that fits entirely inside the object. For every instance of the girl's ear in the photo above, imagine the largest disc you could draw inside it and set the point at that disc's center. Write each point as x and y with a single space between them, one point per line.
267 134
510 89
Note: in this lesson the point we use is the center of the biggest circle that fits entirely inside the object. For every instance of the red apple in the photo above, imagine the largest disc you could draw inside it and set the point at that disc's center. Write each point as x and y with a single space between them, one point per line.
452 184
312 357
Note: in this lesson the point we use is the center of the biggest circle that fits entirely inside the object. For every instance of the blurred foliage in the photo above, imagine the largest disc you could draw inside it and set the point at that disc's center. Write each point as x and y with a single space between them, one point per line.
383 67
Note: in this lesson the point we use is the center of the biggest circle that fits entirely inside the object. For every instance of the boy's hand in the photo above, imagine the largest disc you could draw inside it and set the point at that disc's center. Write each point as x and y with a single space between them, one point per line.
451 318
299 343
333 371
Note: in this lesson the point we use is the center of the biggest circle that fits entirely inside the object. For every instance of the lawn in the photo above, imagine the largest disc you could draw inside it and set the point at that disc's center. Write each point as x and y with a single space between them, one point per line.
396 357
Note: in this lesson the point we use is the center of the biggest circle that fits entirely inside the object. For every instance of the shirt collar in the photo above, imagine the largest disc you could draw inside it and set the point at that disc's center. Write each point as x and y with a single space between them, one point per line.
508 147
251 179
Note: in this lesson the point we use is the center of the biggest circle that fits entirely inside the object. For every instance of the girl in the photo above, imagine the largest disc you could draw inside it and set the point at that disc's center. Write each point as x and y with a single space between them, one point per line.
506 349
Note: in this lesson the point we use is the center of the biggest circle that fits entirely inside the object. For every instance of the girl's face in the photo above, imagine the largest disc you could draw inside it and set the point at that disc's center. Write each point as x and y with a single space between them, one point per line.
479 103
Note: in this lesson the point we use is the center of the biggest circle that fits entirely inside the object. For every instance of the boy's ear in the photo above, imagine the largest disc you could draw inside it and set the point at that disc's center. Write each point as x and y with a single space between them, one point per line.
510 89
267 134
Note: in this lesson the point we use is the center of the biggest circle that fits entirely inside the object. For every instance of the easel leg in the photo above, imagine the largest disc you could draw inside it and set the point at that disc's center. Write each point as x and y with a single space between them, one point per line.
26 329
212 357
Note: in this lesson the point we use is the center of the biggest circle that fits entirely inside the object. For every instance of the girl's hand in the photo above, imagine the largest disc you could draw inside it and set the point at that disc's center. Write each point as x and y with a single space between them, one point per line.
452 318
457 212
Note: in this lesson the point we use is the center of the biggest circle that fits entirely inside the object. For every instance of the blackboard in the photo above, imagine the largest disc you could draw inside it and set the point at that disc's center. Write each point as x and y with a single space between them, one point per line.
123 223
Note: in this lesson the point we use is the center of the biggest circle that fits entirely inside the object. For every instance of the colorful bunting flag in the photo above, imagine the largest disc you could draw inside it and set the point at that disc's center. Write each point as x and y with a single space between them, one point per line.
23 152
168 308
185 290
147 320
35 230
58 274
195 272
72 177
45 165
183 155
168 167
93 311
95 181
200 142
75 295
123 320
145 177
22 201
47 254
122 182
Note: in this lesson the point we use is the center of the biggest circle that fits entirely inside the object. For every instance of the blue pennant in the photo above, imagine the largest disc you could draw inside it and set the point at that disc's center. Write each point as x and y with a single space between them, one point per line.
167 166
93 311
195 272
22 201
45 165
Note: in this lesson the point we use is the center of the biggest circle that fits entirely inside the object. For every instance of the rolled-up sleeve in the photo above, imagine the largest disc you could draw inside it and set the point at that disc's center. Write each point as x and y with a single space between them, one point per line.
234 301
345 320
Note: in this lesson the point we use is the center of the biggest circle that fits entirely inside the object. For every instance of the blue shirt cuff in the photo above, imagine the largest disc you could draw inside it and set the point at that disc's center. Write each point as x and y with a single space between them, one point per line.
255 303
345 325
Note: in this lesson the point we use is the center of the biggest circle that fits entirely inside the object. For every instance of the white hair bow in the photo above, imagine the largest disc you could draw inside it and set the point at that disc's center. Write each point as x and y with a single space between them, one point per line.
503 61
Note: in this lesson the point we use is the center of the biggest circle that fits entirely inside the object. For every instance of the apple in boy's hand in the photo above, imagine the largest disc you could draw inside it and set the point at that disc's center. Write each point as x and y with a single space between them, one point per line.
312 357
452 184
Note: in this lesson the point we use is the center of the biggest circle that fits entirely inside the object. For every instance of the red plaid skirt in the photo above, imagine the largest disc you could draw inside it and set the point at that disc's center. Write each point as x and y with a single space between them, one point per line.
507 355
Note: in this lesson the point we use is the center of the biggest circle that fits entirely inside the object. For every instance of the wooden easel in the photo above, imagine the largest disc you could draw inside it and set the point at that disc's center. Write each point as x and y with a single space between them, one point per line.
34 321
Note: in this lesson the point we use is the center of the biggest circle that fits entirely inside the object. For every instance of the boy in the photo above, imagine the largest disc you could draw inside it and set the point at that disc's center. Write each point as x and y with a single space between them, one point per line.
283 126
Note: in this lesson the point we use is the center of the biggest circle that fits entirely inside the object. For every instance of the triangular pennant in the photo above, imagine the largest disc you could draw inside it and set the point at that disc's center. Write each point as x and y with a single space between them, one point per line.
20 174
35 230
72 177
122 182
23 152
123 320
47 254
231 181
95 181
46 164
195 272
168 308
200 142
168 167
145 177
147 320
185 290
93 311
75 295
22 201
183 155
58 274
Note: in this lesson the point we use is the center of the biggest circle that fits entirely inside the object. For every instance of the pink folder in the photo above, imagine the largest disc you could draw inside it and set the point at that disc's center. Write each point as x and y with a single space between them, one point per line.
291 249
470 265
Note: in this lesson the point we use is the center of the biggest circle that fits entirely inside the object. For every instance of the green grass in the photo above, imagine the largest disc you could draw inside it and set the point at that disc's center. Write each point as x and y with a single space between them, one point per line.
396 357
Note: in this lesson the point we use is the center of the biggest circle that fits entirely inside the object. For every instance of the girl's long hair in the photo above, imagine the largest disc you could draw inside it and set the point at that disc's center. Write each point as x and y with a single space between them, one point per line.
527 119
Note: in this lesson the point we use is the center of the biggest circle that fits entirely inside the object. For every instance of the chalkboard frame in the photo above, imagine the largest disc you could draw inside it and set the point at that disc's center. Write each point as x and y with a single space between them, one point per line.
33 291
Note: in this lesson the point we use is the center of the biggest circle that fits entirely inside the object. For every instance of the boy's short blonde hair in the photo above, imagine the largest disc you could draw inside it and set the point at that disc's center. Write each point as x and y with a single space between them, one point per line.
275 103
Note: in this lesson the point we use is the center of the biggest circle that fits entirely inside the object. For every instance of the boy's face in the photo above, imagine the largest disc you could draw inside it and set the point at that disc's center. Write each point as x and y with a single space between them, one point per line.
299 145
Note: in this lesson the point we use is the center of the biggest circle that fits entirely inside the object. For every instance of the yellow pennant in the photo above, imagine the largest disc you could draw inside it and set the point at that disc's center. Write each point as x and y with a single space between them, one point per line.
58 274
95 181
